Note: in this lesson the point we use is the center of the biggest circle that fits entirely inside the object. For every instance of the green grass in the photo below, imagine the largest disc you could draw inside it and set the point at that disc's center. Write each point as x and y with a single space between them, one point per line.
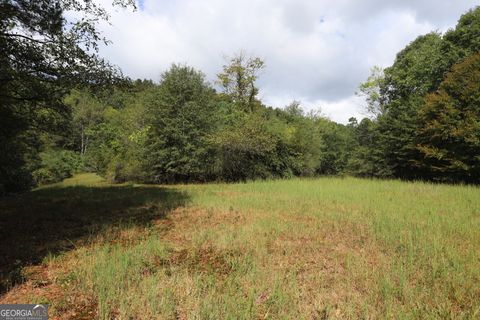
338 248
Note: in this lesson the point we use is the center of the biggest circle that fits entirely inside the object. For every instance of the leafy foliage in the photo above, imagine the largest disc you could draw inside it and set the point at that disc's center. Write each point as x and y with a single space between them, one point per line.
449 137
238 80
417 111
56 166
56 116
42 56
182 118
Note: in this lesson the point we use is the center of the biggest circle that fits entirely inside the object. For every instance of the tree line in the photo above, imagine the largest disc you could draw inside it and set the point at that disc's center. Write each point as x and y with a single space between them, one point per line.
182 130
80 114
426 109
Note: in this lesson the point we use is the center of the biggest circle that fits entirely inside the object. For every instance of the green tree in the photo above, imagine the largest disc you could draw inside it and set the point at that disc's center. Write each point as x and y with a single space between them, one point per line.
366 158
417 70
449 135
300 140
42 56
56 165
245 149
338 142
182 118
238 80
87 112
133 123
371 91
464 40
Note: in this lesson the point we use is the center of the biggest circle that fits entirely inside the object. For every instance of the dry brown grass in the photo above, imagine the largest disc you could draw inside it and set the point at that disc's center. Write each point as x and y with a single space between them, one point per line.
241 255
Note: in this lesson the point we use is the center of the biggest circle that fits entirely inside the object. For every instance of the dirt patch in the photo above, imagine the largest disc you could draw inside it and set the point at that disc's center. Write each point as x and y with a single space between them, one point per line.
204 260
43 286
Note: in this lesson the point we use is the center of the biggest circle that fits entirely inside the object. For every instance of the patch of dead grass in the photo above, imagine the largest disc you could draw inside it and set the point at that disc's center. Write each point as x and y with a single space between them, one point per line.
328 265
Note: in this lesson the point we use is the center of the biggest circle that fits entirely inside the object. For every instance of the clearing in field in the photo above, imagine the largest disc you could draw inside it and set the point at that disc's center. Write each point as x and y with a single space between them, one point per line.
306 249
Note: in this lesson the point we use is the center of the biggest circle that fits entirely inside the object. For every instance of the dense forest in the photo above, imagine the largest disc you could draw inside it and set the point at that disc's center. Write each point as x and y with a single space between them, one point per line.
64 110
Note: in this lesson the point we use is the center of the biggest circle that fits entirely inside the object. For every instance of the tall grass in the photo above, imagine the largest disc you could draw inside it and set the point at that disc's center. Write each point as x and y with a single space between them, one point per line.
304 248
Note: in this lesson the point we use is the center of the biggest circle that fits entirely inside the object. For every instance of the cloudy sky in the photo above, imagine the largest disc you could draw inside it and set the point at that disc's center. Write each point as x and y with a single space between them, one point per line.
316 51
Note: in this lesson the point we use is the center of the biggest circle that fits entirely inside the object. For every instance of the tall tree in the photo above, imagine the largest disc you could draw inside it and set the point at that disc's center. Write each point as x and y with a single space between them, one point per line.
87 111
238 80
366 158
400 93
449 135
371 91
464 40
42 56
182 116
418 69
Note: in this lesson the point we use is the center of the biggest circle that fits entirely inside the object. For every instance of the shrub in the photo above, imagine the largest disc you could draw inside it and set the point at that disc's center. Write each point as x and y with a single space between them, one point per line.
56 166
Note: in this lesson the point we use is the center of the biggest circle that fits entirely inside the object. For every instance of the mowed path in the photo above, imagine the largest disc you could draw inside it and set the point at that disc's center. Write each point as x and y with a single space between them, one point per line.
339 248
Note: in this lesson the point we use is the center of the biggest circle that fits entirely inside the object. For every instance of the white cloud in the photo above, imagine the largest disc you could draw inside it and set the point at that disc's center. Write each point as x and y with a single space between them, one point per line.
344 109
339 110
316 51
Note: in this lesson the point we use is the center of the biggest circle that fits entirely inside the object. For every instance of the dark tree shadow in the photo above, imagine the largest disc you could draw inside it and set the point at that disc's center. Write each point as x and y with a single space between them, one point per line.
54 220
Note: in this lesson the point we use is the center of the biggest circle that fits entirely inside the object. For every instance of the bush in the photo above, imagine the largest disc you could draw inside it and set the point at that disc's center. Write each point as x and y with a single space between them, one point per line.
56 166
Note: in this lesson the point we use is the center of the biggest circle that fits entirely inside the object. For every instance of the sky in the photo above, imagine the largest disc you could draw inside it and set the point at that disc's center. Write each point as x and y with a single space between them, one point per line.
316 51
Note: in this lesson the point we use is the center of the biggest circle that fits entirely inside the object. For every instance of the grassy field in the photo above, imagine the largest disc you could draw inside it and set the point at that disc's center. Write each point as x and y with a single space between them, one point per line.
328 248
